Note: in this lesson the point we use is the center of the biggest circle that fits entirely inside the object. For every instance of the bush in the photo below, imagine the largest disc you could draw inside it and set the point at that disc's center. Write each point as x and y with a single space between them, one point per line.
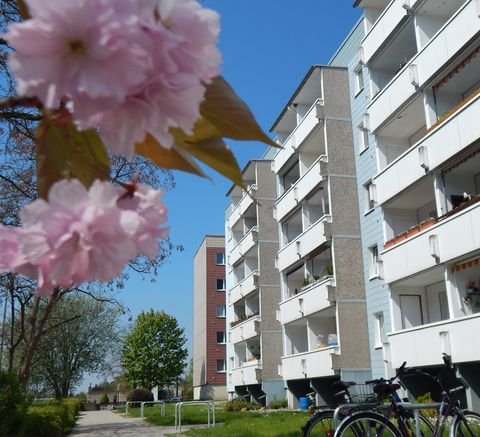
427 399
241 405
276 404
140 395
104 399
50 419
13 404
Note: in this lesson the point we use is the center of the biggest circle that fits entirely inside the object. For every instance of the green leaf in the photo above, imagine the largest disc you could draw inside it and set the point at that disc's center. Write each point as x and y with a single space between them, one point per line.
230 115
64 152
216 154
167 158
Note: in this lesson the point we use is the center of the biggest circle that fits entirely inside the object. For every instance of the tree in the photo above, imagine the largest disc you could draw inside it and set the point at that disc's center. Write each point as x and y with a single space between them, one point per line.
80 336
154 352
24 315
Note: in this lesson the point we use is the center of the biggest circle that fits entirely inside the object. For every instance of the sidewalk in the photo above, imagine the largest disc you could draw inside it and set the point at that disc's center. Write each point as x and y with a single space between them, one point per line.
106 423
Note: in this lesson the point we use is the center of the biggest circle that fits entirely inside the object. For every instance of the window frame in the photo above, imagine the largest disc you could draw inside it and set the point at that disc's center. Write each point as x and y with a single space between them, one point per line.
370 196
224 284
222 336
223 312
374 267
359 79
223 258
380 336
223 368
364 138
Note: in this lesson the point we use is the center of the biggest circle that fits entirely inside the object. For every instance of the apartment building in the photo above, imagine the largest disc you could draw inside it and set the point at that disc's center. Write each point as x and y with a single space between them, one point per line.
419 138
209 331
322 308
254 334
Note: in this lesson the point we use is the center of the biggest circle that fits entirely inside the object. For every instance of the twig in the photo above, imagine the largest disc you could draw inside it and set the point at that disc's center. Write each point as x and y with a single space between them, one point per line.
15 102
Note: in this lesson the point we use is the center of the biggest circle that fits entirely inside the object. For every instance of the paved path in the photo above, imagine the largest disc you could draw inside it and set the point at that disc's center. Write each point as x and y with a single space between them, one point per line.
105 423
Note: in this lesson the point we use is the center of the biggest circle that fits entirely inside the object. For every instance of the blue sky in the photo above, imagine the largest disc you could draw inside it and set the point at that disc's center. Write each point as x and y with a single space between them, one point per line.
268 46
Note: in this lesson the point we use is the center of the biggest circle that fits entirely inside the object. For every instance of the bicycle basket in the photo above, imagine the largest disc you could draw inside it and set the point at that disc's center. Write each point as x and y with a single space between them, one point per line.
361 393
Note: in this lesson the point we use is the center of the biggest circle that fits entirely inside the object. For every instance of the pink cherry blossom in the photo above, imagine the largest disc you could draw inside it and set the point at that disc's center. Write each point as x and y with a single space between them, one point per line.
83 235
9 254
143 216
85 47
131 67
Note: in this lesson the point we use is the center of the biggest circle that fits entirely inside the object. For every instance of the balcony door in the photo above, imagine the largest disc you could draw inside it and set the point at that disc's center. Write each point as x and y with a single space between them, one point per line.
411 309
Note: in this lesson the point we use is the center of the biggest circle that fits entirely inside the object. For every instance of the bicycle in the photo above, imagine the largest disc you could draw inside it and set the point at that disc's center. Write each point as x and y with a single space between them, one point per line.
464 423
323 423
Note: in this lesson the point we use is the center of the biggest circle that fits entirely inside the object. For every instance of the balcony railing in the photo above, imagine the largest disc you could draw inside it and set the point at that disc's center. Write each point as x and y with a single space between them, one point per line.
299 134
302 187
244 245
246 329
434 246
447 42
439 145
313 299
424 345
244 287
389 20
247 373
312 364
241 207
303 244
242 319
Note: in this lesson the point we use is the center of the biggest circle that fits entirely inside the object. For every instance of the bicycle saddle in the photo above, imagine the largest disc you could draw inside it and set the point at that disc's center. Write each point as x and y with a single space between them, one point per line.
343 384
384 389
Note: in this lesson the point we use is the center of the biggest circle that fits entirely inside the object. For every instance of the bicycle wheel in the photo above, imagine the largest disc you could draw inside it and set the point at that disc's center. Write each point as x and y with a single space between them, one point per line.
320 425
425 426
367 424
466 425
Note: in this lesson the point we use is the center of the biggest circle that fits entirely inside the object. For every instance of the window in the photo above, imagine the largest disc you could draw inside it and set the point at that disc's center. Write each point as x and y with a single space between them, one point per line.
363 134
221 365
358 79
379 330
220 258
374 262
221 338
221 284
370 195
220 310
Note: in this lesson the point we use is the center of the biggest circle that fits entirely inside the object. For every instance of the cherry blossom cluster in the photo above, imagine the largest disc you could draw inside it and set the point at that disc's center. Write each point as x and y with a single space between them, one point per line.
130 67
81 235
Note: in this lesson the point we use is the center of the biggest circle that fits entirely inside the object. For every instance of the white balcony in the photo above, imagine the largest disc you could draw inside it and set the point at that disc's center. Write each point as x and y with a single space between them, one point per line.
424 345
244 203
434 246
390 19
244 245
446 140
297 192
313 364
312 299
302 245
447 42
245 330
244 287
246 374
299 134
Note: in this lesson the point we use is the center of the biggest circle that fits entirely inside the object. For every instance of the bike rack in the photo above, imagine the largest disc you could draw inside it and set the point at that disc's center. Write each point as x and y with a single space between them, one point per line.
178 412
142 407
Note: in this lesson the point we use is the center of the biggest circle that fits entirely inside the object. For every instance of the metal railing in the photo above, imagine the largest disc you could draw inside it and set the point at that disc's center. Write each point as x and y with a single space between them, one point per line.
142 407
178 412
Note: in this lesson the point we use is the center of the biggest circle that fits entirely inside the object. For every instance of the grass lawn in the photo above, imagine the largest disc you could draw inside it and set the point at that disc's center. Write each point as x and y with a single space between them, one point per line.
235 424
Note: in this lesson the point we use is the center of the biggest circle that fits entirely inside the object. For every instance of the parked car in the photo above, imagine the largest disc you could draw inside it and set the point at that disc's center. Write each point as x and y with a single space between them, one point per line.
176 399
